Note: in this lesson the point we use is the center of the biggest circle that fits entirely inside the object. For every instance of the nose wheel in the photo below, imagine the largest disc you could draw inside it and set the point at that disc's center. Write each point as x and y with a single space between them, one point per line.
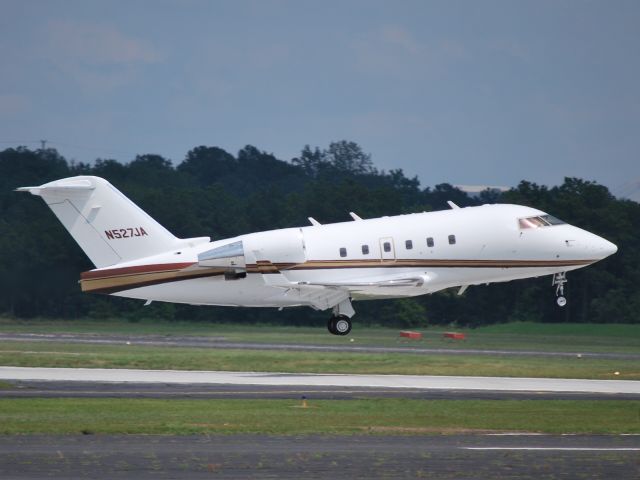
559 279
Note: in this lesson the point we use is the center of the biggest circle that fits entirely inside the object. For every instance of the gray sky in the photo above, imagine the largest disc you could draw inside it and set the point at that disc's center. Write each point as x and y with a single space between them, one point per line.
465 92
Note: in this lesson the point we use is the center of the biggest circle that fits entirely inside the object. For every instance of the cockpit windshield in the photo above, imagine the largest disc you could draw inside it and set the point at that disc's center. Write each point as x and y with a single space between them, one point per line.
539 221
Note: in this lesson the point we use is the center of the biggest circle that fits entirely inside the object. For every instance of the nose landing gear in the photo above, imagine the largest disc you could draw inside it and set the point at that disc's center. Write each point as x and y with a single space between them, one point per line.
559 279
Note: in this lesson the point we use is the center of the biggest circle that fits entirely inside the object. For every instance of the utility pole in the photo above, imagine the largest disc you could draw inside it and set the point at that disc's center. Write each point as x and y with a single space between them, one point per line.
43 144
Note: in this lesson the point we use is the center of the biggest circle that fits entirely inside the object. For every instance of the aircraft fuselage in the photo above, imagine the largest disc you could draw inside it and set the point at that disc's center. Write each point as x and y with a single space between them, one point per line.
469 246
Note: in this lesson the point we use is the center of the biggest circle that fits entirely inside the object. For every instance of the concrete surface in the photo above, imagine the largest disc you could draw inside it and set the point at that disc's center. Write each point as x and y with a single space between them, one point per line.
272 379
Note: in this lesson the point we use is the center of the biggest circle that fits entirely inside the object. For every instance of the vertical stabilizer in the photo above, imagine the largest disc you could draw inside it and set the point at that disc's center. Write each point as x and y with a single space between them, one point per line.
108 226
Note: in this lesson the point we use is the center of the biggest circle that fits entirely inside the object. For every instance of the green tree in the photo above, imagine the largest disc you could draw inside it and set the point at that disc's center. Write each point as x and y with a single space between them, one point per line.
208 165
348 156
215 193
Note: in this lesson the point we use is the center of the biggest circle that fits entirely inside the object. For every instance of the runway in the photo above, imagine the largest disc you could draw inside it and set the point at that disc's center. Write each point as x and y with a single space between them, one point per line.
59 389
354 456
398 382
187 341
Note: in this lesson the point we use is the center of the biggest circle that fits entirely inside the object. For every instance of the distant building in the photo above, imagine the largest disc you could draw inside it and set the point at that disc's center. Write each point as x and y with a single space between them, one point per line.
474 191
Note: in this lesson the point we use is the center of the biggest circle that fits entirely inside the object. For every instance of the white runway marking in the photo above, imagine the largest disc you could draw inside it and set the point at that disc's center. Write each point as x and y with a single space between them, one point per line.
537 434
559 449
334 380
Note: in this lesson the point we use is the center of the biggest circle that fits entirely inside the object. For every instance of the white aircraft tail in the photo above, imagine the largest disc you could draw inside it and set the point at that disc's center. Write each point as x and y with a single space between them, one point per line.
108 226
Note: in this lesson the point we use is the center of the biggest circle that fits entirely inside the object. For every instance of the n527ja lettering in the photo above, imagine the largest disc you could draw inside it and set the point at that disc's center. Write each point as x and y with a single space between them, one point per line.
125 233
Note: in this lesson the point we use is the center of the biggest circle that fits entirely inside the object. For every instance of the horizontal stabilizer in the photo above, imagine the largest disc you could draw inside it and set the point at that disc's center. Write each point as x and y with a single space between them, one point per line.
67 184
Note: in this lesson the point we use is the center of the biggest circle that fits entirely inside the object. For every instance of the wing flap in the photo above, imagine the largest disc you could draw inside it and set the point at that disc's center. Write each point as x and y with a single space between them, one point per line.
320 297
395 281
326 294
406 282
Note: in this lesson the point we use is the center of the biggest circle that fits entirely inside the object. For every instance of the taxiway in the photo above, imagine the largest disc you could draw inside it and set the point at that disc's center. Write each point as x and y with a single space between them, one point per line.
400 382
354 456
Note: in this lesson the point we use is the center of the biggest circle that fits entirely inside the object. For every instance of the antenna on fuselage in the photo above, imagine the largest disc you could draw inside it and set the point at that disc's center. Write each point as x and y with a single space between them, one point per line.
355 217
314 222
452 205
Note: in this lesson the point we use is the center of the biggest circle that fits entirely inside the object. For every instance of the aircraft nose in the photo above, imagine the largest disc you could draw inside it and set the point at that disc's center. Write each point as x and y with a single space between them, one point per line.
592 246
607 248
601 247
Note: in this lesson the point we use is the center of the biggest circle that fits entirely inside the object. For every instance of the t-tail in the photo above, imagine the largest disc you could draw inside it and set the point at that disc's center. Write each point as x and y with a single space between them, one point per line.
109 227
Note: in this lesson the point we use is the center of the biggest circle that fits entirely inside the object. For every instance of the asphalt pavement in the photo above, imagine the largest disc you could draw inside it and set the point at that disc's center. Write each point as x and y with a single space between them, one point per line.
70 389
355 456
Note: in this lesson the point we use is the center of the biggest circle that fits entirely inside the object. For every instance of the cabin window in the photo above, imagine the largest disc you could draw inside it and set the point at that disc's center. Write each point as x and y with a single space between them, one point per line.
386 246
429 241
365 249
343 252
408 244
452 239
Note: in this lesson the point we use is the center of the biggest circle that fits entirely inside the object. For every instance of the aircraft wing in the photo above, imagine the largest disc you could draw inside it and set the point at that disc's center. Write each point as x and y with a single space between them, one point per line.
320 297
406 281
326 294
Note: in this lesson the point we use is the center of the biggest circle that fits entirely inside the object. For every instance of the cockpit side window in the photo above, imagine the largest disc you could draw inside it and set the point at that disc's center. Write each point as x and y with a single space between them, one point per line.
539 221
531 222
551 220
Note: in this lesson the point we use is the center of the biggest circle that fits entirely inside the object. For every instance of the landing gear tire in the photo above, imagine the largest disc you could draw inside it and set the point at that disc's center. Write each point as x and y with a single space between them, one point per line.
331 326
561 301
340 325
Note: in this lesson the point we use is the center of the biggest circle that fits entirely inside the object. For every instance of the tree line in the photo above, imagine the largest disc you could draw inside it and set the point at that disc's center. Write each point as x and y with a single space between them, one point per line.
213 192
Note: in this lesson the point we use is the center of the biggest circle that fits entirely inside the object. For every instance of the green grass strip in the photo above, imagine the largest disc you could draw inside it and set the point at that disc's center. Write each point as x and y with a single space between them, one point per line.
170 358
342 417
579 338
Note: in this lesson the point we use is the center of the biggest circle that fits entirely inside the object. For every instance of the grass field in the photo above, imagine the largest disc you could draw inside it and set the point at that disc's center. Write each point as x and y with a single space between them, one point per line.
377 416
579 338
591 338
47 354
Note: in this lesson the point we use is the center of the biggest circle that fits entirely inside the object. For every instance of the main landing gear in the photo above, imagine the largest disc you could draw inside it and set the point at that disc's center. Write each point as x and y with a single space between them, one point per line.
339 325
559 279
340 321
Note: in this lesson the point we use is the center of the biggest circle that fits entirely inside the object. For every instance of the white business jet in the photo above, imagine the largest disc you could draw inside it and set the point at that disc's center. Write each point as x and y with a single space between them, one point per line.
320 266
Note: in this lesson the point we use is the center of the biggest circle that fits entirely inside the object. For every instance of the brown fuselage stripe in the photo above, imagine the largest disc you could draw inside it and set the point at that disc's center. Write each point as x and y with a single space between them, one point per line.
126 278
145 283
114 272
